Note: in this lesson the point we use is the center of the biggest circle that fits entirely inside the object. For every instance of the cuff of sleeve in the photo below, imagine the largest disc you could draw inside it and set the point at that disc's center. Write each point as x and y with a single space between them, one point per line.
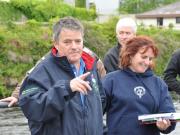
70 92
15 93
169 129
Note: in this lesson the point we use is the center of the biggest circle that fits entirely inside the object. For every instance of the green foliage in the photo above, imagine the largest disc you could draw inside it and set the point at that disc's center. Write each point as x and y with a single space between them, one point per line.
7 12
1 39
167 41
93 6
33 23
3 92
100 37
171 26
21 46
25 6
109 30
80 3
84 14
95 38
139 6
46 10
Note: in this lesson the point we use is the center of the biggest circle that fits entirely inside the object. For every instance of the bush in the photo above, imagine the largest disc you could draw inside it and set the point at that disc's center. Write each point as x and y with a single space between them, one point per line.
46 10
3 92
8 12
80 3
20 48
84 14
33 23
33 40
170 26
25 6
95 38
167 41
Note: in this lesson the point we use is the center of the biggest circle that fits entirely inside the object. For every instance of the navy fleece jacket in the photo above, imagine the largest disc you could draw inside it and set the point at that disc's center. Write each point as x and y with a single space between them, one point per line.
130 94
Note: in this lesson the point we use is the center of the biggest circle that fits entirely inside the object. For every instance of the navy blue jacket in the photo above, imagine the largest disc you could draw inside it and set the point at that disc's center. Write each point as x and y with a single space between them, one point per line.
172 72
129 95
52 108
111 59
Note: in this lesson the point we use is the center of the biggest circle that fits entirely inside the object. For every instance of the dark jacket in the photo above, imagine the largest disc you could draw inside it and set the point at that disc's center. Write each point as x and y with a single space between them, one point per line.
111 59
172 71
138 94
52 108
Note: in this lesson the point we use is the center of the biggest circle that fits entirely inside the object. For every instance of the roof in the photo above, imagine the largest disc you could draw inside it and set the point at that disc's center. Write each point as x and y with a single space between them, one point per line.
168 11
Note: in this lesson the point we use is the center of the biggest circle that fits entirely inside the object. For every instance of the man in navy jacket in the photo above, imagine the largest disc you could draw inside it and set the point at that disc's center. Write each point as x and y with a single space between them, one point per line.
172 72
63 94
125 30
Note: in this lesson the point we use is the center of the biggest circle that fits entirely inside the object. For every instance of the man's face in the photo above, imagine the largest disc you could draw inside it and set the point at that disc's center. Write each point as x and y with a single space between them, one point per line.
124 34
70 45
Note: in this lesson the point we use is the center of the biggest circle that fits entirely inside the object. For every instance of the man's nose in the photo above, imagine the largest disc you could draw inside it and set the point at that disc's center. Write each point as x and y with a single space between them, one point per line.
124 35
73 44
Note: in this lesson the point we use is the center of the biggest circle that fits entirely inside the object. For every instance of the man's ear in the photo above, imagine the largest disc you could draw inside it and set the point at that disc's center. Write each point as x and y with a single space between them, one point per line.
55 44
116 36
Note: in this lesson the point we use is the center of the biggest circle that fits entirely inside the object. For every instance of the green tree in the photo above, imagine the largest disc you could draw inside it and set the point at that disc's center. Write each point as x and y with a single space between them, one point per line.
80 3
139 6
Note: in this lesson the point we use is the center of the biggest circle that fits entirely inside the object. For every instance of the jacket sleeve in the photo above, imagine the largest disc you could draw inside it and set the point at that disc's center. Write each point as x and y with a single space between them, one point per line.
172 71
166 105
15 93
40 104
101 92
100 68
106 82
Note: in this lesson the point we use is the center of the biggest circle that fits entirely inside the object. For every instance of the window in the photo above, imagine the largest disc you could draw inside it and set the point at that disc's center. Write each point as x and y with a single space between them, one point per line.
159 21
177 19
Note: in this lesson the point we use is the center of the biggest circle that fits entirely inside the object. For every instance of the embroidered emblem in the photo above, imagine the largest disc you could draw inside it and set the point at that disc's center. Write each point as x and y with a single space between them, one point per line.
94 83
31 90
140 91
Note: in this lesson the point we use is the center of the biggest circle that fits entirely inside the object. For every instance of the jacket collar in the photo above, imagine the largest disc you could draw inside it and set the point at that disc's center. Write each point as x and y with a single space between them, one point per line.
87 58
119 45
147 73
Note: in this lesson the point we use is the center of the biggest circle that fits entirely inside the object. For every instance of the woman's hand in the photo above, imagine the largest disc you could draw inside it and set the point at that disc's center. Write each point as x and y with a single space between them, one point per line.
163 124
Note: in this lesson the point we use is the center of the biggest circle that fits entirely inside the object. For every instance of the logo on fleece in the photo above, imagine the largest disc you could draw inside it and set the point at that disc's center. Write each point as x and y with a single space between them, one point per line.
140 91
94 83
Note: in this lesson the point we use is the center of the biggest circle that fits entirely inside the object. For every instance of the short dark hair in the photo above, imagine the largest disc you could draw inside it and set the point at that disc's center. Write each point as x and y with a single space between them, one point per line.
67 23
132 47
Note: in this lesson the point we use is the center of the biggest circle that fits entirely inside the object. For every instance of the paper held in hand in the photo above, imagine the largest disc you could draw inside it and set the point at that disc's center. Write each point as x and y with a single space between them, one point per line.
152 118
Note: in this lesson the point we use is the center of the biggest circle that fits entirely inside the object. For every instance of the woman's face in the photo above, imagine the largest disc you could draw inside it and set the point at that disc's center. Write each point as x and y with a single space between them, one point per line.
142 60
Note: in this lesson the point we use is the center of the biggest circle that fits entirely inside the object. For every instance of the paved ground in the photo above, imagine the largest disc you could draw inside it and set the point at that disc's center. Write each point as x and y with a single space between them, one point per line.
12 122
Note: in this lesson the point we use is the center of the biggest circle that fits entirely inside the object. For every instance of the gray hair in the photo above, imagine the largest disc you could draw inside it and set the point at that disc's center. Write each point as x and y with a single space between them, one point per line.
126 22
67 23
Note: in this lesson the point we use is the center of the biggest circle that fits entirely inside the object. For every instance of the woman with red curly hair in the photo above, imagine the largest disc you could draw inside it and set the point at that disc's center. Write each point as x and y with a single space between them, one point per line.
134 90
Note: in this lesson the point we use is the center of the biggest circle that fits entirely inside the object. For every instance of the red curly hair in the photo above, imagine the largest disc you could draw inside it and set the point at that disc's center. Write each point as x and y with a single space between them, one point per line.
133 46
